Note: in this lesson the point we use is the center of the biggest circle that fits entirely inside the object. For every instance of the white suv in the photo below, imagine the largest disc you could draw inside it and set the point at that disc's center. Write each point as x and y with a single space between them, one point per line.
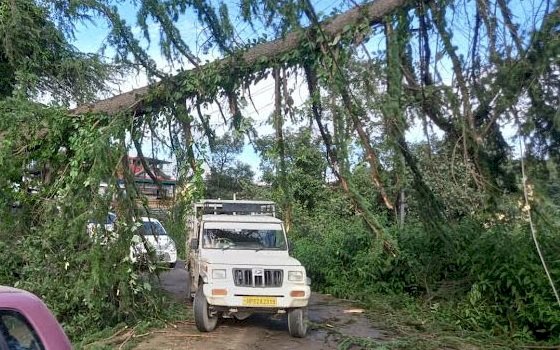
239 264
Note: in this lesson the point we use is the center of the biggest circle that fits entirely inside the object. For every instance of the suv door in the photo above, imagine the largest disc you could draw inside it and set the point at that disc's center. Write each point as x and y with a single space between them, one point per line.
193 258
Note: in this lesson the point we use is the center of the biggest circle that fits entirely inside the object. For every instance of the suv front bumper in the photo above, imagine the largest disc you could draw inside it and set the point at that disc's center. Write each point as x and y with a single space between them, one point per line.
237 297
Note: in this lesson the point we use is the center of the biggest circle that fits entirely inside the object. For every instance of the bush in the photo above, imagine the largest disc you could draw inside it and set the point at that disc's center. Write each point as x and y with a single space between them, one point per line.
492 278
49 192
509 282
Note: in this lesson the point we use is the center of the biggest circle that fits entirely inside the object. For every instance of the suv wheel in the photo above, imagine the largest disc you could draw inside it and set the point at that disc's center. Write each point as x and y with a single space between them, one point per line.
204 322
297 322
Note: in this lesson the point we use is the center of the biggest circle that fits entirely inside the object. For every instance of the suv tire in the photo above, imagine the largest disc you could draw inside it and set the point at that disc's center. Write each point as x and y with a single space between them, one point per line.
297 322
204 322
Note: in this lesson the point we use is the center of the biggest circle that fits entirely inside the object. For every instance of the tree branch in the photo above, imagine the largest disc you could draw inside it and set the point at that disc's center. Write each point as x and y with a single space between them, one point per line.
373 12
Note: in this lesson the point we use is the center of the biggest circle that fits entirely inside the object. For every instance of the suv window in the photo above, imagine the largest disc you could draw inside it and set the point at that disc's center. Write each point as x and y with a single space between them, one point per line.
17 332
243 235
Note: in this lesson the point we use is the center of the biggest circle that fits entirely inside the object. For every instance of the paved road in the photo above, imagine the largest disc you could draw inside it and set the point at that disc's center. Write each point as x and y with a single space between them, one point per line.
331 320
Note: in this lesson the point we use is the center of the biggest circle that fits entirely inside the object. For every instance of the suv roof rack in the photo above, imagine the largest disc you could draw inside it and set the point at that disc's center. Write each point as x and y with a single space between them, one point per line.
234 207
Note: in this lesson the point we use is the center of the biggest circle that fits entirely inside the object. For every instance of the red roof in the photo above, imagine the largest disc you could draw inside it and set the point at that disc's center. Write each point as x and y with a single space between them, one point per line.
139 172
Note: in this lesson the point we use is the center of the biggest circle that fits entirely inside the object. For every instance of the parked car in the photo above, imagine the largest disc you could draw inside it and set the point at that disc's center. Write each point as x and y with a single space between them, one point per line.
152 236
104 233
27 324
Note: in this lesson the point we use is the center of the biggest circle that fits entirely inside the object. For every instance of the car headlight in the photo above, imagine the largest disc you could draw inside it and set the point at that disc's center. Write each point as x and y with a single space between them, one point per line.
171 247
295 276
218 274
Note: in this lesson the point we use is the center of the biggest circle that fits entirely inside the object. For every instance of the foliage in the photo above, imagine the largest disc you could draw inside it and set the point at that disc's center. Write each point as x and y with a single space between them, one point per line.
128 336
49 188
493 275
305 166
485 278
37 59
459 236
510 293
52 166
227 176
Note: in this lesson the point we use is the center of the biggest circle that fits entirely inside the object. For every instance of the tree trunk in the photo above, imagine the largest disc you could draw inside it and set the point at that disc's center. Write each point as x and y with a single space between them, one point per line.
278 126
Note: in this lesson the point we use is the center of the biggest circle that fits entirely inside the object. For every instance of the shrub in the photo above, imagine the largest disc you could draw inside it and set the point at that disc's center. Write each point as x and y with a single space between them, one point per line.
509 282
492 276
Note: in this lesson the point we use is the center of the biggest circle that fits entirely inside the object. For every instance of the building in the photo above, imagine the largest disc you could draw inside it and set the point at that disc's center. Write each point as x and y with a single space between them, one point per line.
157 196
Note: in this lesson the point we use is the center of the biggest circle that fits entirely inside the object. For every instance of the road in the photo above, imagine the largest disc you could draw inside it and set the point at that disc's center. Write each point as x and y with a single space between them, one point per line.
331 321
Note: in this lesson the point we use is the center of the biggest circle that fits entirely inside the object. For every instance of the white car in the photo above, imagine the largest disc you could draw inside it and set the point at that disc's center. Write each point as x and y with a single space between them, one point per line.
152 235
102 234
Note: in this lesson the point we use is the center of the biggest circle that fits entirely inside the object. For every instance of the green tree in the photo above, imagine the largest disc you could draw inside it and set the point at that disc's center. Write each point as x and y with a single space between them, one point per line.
52 166
306 166
37 59
223 152
227 175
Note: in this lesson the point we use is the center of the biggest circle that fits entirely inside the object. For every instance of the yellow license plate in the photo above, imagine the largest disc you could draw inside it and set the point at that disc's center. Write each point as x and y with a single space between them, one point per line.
259 301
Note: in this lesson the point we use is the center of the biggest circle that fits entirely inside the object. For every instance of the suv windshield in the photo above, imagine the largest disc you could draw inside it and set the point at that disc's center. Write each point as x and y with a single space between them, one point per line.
151 228
240 235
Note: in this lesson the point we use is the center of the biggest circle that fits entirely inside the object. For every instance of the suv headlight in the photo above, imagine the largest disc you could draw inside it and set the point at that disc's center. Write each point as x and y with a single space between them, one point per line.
295 276
218 274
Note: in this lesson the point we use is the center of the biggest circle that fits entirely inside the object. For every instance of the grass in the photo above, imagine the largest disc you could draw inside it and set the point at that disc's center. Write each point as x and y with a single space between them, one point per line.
127 336
411 325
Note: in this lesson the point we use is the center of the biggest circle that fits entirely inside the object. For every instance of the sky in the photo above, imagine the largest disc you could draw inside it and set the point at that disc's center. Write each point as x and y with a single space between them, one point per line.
90 37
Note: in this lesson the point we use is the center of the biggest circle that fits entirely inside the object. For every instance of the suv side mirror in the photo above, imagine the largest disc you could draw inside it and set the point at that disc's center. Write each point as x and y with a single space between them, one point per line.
290 246
194 243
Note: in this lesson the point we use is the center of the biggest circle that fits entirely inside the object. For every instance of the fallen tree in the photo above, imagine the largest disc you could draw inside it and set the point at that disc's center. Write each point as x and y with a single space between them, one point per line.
135 100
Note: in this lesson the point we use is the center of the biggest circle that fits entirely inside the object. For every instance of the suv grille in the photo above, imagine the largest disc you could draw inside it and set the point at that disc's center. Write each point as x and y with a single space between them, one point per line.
257 277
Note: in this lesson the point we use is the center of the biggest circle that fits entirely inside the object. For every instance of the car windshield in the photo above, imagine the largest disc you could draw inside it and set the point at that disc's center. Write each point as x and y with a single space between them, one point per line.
240 235
152 228
110 219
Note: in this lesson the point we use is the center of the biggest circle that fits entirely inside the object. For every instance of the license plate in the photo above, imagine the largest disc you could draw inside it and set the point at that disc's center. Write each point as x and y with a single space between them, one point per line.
259 301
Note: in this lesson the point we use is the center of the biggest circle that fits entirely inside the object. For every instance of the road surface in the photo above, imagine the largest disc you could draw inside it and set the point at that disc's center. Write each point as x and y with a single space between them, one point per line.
331 321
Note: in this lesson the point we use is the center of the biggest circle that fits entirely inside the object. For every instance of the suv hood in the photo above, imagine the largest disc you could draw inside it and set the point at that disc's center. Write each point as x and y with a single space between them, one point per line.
249 257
